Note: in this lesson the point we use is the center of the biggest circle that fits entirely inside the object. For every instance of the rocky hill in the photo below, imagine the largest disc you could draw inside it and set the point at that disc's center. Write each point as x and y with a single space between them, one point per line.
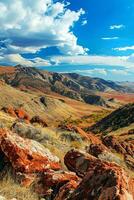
96 84
122 117
129 85
70 85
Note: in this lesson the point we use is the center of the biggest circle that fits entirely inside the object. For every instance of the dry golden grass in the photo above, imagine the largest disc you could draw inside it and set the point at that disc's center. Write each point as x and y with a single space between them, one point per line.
58 145
122 131
6 120
55 111
9 189
123 98
7 69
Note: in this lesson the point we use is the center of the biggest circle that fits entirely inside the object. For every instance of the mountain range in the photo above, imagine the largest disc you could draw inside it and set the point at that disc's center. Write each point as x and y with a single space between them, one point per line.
75 86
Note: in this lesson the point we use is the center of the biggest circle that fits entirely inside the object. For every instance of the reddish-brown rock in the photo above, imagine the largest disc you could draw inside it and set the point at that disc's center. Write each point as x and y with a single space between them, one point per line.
80 162
37 119
89 136
33 164
97 149
21 114
120 145
129 161
102 180
17 112
51 183
66 190
25 179
9 110
27 156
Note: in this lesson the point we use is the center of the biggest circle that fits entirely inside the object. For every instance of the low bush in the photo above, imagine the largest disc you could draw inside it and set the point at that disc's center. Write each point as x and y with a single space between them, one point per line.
70 136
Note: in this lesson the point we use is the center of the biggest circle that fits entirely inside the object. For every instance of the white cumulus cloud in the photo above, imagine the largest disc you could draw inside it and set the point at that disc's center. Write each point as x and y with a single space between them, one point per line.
14 59
27 26
123 61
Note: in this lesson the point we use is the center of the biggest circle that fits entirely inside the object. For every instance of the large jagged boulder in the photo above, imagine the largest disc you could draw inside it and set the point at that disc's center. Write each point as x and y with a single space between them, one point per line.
79 162
32 163
26 155
101 180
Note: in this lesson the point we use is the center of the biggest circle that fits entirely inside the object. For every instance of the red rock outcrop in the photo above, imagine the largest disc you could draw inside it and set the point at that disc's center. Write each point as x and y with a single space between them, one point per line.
33 164
121 146
96 180
27 156
20 114
79 162
101 180
17 112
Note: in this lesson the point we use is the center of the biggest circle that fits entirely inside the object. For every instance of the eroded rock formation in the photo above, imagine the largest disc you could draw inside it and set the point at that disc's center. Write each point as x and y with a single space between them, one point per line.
96 179
33 164
26 155
101 180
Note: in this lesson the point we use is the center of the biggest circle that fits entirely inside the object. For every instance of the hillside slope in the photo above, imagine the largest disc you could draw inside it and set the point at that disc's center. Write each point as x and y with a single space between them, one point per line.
51 108
97 84
122 117
70 85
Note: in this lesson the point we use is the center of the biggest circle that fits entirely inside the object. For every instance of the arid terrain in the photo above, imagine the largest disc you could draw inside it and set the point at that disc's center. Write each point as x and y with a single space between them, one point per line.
65 136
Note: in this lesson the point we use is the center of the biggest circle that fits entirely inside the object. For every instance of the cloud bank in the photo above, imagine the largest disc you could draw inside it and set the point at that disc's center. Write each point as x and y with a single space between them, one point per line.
124 61
28 26
124 48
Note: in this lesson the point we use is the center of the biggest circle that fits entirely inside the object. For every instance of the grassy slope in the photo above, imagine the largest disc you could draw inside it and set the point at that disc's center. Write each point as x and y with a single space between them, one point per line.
120 118
56 110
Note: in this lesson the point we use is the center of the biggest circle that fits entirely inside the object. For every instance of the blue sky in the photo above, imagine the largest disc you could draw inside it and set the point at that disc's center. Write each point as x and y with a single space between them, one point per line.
90 37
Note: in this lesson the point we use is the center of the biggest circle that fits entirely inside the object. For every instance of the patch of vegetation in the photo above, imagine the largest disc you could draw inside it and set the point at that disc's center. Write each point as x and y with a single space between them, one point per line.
70 136
100 115
122 117
87 119
11 190
110 157
32 132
